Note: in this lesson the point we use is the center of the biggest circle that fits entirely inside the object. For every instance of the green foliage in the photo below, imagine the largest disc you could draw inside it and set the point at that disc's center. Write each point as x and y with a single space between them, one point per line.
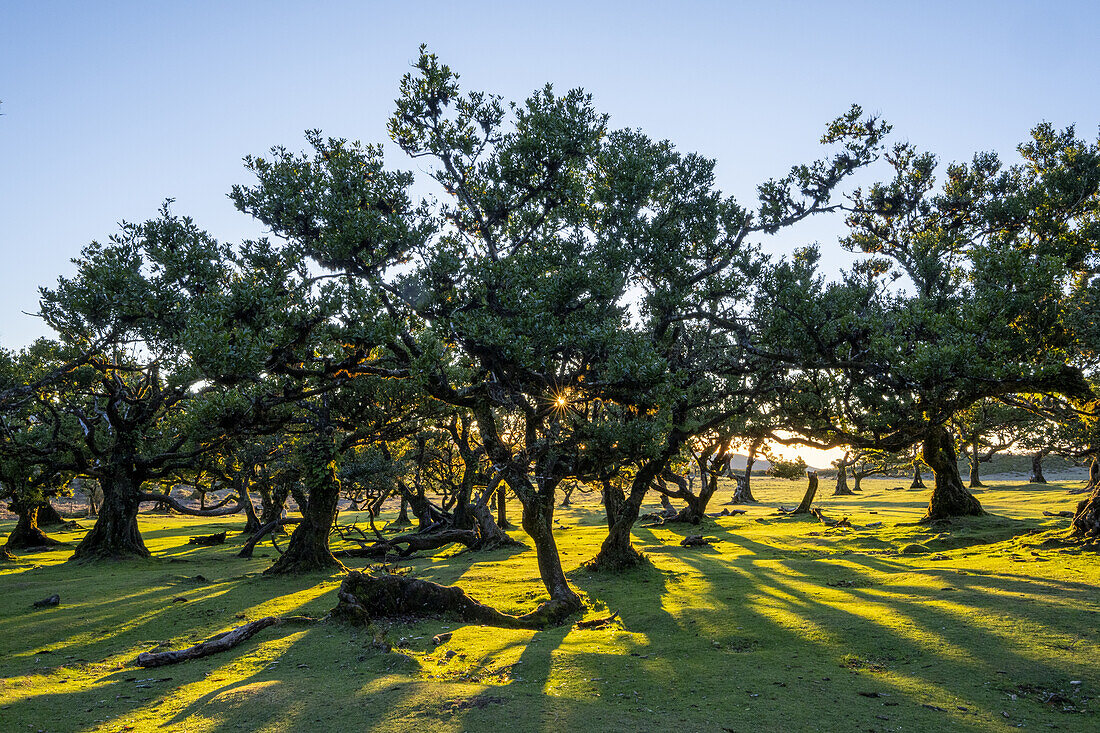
791 470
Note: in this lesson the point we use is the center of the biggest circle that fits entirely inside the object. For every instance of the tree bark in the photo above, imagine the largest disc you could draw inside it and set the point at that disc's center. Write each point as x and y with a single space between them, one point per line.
218 643
1094 474
115 535
1037 476
308 549
252 521
918 480
538 522
975 461
502 507
26 532
842 482
403 515
808 498
490 534
949 497
616 553
272 503
48 516
1086 520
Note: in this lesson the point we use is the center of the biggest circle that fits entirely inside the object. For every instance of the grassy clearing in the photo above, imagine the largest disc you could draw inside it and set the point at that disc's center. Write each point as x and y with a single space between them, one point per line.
982 624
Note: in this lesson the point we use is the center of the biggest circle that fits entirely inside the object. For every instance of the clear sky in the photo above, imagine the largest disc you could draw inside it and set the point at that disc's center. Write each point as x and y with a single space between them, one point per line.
110 107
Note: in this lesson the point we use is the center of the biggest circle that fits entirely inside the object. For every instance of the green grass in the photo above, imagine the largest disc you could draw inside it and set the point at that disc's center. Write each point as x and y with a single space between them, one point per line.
985 624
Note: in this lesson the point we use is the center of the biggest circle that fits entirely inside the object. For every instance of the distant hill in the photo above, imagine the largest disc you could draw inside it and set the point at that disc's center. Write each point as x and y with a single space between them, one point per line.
738 461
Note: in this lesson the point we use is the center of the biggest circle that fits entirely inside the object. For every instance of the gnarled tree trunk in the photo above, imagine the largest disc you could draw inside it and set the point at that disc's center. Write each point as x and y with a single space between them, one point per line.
1086 521
272 503
949 497
1037 476
538 522
616 553
502 507
26 532
48 516
252 521
115 535
975 461
842 482
308 549
403 515
1094 474
808 498
918 480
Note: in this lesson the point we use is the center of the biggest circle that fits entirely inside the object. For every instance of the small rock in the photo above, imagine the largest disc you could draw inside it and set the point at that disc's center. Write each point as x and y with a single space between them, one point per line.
50 602
451 654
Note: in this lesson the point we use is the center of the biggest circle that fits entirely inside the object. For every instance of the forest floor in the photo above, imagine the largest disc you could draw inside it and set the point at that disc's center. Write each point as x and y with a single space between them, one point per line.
983 624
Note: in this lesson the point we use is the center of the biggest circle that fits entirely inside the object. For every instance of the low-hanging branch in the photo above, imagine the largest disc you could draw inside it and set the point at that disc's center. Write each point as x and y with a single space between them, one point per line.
219 511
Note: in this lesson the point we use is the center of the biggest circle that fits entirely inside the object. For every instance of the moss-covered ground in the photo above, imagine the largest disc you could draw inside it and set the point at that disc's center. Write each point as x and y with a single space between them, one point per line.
784 625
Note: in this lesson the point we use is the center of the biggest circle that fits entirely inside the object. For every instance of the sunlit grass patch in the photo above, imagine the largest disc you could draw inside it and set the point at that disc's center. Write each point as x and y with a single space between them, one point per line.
751 633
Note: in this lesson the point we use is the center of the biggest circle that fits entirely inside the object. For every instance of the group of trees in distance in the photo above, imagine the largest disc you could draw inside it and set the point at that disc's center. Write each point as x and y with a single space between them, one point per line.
576 305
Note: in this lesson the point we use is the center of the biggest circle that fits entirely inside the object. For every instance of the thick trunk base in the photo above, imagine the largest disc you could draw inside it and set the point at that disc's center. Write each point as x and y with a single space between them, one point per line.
48 516
949 497
26 533
306 553
115 535
1037 476
807 498
842 484
1086 521
364 597
616 558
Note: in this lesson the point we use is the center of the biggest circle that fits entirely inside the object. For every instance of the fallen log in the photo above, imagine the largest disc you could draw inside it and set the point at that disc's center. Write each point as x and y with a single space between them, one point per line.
696 540
218 643
596 623
364 596
414 542
1067 514
843 522
207 540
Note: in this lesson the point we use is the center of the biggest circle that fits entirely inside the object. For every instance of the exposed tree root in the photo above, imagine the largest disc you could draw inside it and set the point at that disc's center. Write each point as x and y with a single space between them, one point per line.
220 643
364 596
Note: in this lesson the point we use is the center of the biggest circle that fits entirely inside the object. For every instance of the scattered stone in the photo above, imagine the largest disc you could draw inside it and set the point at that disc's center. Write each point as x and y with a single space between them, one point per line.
50 602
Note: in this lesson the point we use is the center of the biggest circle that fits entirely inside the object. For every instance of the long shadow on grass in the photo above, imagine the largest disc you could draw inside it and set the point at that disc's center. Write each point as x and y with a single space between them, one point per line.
909 632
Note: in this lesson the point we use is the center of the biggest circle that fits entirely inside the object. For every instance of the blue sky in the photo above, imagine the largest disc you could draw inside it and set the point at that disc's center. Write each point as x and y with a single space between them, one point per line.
110 107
